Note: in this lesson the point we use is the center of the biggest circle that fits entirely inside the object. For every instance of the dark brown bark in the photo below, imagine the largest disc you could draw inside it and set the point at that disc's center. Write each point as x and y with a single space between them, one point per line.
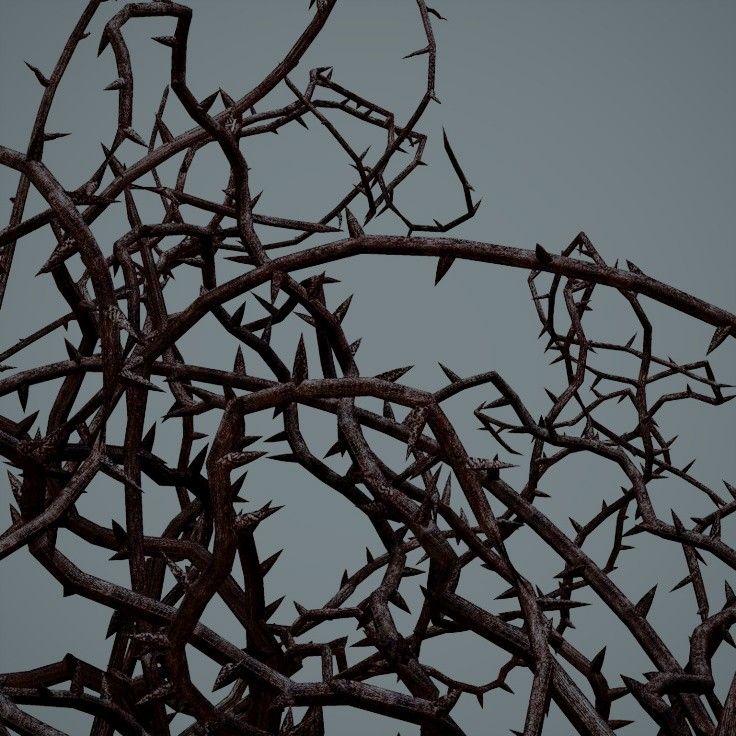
133 348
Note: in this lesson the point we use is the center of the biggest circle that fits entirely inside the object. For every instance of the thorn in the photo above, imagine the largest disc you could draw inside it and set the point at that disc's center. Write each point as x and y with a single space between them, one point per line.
443 266
54 136
104 41
731 489
269 562
196 465
73 353
23 396
300 371
730 595
542 255
169 41
116 84
354 228
37 72
643 606
239 364
418 52
271 608
451 375
300 609
228 673
276 281
397 599
237 315
24 425
719 336
287 457
342 310
685 581
615 723
395 374
131 134
206 103
14 514
234 460
158 693
227 100
597 662
136 380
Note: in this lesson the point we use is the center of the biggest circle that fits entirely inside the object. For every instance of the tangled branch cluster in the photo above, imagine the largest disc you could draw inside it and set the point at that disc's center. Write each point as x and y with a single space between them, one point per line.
129 338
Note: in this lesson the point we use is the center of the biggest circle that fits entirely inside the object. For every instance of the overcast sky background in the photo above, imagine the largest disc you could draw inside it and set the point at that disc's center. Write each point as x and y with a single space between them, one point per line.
613 118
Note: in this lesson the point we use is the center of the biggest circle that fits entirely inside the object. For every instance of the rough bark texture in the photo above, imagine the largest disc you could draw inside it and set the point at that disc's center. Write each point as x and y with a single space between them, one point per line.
129 337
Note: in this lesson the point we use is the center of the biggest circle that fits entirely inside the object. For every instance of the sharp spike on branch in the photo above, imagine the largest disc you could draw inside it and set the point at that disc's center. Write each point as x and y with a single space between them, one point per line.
269 562
299 371
451 375
271 608
354 228
395 374
132 135
643 606
43 81
116 84
443 266
23 396
418 52
54 136
542 255
596 664
437 15
719 336
239 364
169 41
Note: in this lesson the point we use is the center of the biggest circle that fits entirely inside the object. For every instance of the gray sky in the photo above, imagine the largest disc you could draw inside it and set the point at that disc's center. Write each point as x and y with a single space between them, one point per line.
615 118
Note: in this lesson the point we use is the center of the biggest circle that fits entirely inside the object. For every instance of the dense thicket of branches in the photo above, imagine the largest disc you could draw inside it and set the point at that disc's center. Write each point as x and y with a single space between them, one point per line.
130 338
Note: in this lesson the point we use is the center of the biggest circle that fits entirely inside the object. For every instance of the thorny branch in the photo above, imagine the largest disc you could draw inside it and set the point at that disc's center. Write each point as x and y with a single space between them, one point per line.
423 533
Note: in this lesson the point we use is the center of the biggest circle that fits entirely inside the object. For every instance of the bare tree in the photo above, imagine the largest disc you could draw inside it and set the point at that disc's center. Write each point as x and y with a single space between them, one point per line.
130 339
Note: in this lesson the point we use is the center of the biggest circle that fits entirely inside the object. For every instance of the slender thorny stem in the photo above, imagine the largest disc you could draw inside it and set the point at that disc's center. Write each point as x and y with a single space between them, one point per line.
133 341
